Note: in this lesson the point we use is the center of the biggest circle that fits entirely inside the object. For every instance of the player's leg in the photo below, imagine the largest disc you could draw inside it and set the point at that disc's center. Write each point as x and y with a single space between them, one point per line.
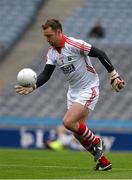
79 104
84 142
75 120
93 144
72 122
103 162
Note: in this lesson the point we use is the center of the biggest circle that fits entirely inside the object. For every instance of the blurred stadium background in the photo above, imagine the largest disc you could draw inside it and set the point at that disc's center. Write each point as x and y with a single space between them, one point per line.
27 121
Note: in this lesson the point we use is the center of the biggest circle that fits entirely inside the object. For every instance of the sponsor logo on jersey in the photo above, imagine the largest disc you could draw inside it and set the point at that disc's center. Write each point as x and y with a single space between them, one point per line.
68 69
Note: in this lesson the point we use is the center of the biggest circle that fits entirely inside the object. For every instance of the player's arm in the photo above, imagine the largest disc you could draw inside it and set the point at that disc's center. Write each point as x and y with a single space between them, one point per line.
117 82
45 75
42 78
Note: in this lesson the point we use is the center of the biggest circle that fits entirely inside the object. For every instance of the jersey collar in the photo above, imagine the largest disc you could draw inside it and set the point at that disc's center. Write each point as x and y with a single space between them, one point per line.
62 44
63 40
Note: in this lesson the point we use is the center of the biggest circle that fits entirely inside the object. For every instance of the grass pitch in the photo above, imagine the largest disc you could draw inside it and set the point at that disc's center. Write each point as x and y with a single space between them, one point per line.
42 164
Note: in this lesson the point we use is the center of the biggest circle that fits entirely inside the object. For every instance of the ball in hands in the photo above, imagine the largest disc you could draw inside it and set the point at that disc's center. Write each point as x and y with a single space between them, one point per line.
27 77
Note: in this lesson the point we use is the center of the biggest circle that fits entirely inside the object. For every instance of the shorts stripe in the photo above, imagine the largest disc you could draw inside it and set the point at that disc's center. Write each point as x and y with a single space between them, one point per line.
88 102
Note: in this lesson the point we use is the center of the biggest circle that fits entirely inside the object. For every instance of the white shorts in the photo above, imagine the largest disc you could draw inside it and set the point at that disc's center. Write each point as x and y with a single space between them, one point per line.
87 97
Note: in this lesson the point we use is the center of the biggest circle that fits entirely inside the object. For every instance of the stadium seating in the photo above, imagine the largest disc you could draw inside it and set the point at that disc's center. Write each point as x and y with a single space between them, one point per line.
15 17
50 100
114 15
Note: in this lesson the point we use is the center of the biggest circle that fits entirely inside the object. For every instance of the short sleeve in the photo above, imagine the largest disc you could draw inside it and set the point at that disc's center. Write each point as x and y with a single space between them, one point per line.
50 59
86 47
79 46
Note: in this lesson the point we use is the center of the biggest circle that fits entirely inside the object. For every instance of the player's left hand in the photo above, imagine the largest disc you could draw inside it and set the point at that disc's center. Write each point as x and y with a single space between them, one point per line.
116 81
23 90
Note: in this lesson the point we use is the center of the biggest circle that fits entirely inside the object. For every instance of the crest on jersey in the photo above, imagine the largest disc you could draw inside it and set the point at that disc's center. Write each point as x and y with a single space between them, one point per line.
69 58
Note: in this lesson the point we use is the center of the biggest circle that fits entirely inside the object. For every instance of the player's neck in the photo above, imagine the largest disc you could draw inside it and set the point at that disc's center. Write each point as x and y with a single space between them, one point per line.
59 41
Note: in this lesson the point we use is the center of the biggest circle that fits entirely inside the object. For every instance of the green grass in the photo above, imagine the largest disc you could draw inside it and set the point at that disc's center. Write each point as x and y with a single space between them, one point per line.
42 164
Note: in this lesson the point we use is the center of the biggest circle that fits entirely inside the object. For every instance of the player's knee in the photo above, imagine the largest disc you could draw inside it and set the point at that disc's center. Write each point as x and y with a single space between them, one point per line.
70 124
67 123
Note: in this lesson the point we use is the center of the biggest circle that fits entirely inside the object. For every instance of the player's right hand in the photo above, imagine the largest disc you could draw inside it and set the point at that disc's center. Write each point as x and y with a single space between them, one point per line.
23 90
116 81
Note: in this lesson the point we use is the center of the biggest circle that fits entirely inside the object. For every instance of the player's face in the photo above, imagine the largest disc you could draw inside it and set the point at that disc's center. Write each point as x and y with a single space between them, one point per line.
53 37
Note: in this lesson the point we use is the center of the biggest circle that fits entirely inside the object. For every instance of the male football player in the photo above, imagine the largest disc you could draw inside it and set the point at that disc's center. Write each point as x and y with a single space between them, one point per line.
72 56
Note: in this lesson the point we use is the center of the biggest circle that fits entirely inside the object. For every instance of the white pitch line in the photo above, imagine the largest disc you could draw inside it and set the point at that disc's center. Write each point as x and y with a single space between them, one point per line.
42 166
60 167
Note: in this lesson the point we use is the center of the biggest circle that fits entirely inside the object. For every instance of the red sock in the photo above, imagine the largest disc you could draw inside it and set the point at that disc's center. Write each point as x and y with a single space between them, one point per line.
85 132
85 143
103 160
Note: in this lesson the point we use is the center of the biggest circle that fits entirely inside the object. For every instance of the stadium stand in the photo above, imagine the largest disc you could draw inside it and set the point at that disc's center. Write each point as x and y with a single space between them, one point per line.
50 100
15 17
114 15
